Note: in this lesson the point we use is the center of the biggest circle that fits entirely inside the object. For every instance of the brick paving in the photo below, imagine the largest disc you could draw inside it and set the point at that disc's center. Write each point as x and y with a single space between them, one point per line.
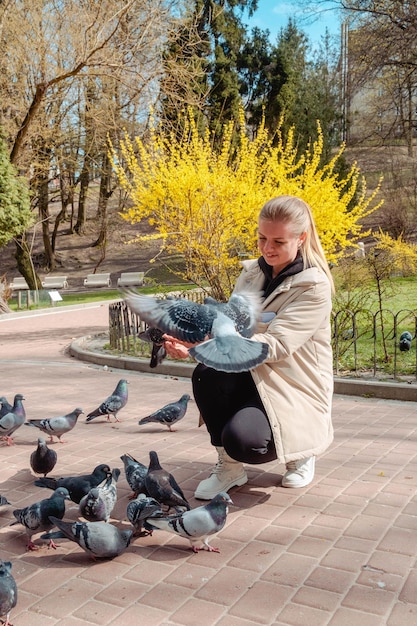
339 552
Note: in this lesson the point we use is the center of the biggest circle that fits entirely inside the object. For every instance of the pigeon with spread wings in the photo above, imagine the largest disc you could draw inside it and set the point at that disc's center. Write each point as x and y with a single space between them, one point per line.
222 328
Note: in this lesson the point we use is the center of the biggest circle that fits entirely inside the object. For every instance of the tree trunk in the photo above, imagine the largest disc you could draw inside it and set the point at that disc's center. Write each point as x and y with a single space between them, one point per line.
24 263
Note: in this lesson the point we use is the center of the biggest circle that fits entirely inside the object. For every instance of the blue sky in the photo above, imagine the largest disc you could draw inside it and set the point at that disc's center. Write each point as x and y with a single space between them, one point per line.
274 14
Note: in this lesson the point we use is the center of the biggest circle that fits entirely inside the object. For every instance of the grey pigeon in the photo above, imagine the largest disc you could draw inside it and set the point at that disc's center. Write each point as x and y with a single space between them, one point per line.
99 539
99 502
57 426
156 338
12 420
4 501
143 507
161 485
227 349
405 341
35 517
5 407
112 404
78 486
135 474
8 591
197 524
168 414
43 459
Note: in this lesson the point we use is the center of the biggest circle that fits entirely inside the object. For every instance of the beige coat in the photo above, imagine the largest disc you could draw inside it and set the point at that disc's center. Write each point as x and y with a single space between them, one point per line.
295 383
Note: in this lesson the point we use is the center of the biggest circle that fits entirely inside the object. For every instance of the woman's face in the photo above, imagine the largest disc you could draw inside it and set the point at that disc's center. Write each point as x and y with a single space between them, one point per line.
277 243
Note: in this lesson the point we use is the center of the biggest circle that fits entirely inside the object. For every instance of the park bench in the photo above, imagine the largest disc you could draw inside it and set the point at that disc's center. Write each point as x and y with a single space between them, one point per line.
131 279
19 284
55 282
97 280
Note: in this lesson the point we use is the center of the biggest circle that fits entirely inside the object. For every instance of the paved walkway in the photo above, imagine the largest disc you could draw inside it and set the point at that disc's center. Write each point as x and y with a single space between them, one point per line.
339 552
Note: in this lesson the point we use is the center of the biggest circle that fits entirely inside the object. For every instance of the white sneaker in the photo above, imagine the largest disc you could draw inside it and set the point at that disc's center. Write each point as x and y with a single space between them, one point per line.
227 473
299 473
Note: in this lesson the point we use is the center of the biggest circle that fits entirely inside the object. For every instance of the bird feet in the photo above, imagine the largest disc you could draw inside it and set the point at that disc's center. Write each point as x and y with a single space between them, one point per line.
31 547
205 547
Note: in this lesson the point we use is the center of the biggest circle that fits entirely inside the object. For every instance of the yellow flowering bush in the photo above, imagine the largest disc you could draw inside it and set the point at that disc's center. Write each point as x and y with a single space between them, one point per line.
203 200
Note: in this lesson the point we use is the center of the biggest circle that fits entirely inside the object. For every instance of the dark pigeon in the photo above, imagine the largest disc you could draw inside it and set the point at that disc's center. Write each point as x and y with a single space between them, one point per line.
198 524
135 474
43 459
226 349
5 407
99 539
156 338
12 420
113 404
162 486
168 414
8 591
99 502
57 426
143 507
405 341
35 517
78 486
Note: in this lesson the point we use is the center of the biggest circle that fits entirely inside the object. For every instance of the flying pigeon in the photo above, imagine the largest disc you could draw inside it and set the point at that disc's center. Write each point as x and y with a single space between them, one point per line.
57 426
142 508
78 486
35 517
8 591
169 414
43 459
3 501
197 524
135 474
405 341
228 326
100 501
162 486
5 407
112 404
156 338
99 539
12 420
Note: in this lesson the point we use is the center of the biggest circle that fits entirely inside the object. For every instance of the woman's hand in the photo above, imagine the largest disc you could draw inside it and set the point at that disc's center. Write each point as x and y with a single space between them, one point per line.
175 348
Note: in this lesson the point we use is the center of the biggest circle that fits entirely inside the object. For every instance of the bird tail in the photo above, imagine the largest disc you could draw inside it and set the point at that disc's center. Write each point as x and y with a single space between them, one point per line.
145 420
56 534
49 483
92 415
230 354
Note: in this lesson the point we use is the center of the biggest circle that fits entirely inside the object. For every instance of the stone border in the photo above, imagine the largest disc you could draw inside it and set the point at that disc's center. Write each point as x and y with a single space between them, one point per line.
89 348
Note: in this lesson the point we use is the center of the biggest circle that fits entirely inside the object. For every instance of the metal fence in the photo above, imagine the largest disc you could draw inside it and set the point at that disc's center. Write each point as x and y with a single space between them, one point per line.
365 343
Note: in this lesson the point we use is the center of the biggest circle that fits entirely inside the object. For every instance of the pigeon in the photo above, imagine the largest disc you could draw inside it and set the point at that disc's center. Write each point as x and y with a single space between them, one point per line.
5 407
57 426
4 501
156 338
12 420
169 414
405 341
197 524
112 404
78 486
99 502
43 459
8 591
99 539
135 474
142 508
35 517
228 326
162 486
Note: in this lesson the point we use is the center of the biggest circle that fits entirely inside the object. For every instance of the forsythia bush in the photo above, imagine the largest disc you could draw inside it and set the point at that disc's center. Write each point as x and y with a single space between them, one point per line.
203 201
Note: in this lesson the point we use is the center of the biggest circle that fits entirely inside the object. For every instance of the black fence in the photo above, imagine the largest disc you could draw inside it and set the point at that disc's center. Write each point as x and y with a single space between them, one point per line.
378 344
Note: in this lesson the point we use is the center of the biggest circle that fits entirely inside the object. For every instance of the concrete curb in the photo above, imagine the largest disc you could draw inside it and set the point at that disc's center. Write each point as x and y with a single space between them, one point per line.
89 348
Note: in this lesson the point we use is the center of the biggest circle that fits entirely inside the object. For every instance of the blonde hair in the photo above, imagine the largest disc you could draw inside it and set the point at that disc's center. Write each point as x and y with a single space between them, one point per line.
298 214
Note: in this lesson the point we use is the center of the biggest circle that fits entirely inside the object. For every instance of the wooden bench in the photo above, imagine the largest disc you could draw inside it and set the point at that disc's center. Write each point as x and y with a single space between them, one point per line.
97 280
131 279
19 284
55 282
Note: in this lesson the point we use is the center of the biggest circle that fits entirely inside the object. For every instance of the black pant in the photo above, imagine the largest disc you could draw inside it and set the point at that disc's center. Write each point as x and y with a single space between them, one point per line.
234 414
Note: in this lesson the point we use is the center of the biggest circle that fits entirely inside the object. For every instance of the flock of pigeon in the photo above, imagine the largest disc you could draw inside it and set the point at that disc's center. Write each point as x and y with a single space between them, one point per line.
157 501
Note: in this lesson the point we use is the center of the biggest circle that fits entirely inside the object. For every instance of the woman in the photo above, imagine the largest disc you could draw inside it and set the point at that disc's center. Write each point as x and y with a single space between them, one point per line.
282 408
